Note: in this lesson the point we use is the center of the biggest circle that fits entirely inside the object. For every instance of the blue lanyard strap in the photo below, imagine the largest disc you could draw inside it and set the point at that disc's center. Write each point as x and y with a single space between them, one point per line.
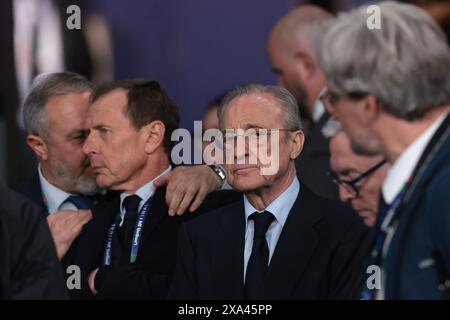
137 234
376 256
405 194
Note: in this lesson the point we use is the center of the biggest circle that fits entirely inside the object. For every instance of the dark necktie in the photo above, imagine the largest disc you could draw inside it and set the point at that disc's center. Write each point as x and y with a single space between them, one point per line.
125 232
81 202
259 259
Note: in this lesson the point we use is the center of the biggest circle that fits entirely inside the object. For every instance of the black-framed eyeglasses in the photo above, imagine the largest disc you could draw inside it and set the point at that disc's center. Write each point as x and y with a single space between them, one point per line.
351 185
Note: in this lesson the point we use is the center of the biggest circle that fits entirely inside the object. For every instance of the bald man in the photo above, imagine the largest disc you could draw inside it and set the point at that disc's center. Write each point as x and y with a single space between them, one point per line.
291 52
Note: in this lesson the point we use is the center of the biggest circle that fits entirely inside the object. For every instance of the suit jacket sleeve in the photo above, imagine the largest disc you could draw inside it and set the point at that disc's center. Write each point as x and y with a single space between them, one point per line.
29 252
183 286
438 209
348 267
131 281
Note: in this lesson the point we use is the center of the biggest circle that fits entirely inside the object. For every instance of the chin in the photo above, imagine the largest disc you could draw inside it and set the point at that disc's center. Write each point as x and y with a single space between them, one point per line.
245 185
103 182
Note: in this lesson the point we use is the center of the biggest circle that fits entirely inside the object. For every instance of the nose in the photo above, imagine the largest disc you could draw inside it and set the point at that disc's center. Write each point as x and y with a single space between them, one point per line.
241 148
89 144
345 195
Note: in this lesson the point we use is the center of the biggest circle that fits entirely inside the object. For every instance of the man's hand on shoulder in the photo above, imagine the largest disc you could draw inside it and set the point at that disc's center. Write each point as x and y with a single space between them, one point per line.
188 186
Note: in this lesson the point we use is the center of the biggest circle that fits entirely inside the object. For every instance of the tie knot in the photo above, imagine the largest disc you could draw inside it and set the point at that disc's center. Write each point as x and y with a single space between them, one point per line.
262 222
131 203
81 202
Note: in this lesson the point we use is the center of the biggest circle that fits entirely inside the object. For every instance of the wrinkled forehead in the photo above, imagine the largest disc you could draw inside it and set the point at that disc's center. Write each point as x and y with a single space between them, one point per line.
252 110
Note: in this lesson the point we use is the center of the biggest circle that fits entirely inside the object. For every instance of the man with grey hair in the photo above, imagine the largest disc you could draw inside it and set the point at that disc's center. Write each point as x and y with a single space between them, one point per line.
390 89
54 116
291 51
280 241
55 111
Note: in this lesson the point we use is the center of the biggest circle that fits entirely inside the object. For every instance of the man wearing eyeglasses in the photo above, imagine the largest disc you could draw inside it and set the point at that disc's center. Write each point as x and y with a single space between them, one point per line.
280 241
358 177
391 93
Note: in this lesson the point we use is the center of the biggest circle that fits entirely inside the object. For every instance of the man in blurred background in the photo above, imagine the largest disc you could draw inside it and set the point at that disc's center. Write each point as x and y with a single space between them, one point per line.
358 177
291 51
391 93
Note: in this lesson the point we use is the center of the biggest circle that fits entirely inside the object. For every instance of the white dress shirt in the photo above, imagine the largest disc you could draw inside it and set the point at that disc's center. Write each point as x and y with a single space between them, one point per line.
404 166
318 111
54 198
280 208
144 192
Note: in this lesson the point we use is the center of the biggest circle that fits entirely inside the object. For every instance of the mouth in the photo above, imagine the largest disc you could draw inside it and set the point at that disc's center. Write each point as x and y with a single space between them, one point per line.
244 169
364 213
97 169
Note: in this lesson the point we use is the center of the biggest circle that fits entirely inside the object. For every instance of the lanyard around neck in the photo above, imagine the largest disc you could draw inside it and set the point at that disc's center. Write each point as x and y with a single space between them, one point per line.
137 234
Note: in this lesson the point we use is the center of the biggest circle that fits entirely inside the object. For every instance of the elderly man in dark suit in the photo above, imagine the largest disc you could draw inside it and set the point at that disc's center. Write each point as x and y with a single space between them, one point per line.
391 93
280 241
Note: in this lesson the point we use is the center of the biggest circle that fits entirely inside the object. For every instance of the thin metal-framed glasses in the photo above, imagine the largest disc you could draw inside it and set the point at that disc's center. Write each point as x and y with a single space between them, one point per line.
254 135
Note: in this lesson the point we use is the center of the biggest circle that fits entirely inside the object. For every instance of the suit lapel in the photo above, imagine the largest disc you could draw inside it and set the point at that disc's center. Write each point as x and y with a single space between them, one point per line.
294 249
396 247
157 211
228 270
91 242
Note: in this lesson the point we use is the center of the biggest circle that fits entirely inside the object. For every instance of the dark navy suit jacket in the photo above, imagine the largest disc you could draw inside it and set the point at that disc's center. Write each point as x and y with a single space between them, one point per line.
318 254
418 259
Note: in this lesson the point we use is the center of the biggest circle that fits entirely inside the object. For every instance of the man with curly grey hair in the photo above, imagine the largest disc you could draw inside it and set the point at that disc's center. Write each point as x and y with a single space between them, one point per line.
390 89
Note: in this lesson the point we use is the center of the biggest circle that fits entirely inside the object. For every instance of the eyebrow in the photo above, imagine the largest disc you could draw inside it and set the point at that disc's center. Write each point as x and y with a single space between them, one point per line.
348 171
76 132
253 126
247 126
101 126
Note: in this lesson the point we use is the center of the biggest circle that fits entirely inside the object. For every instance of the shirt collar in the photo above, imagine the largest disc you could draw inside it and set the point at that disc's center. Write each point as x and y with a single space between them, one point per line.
319 108
144 192
404 166
280 207
53 196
